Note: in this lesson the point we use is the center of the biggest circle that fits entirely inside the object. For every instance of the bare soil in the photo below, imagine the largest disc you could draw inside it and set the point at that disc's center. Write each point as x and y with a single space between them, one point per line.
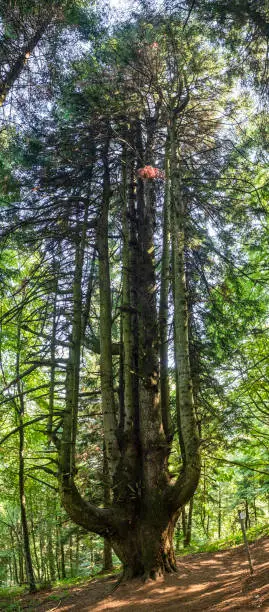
205 581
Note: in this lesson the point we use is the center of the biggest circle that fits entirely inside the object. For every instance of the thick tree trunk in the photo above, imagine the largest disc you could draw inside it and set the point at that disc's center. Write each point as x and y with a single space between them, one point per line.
147 550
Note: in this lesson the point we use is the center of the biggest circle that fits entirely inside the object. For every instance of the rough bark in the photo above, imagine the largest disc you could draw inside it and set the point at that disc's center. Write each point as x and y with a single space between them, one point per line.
147 550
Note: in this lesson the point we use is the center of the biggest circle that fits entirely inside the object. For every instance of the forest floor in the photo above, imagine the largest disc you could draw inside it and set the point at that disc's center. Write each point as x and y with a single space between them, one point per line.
205 581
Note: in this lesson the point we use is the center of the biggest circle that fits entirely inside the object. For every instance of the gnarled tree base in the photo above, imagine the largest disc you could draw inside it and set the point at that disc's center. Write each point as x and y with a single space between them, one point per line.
147 552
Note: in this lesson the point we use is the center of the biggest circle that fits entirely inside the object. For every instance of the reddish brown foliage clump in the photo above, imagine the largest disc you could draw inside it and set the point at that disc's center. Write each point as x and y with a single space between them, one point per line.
148 172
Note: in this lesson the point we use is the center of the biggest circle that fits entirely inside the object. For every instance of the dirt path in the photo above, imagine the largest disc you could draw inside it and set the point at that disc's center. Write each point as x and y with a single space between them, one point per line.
218 581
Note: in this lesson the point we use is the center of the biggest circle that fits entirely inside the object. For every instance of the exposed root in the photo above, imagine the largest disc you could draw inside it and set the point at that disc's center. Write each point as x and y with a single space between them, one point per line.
169 563
118 583
126 575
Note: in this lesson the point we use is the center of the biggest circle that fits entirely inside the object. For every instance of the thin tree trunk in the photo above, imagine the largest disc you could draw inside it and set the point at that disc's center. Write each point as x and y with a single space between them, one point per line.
10 570
164 306
51 556
184 523
42 556
25 530
14 557
108 400
247 520
187 426
219 514
71 555
203 505
58 552
188 528
77 554
255 510
107 550
53 354
126 318
27 551
37 563
63 571
20 557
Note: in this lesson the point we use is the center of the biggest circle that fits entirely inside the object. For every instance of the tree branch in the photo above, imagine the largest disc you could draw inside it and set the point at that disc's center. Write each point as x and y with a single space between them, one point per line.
14 431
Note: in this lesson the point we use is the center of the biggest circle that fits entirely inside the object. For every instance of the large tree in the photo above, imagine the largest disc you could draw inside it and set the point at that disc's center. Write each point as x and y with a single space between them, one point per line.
124 170
116 203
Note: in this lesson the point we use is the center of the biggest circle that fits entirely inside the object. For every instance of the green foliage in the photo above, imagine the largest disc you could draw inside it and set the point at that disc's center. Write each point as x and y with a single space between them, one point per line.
253 534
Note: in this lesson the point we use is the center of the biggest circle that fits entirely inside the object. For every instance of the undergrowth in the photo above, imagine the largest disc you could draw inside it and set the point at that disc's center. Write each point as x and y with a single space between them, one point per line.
229 542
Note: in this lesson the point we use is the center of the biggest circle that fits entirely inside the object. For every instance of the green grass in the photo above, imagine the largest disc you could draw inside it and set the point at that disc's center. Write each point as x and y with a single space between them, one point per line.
69 582
229 542
7 597
10 592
